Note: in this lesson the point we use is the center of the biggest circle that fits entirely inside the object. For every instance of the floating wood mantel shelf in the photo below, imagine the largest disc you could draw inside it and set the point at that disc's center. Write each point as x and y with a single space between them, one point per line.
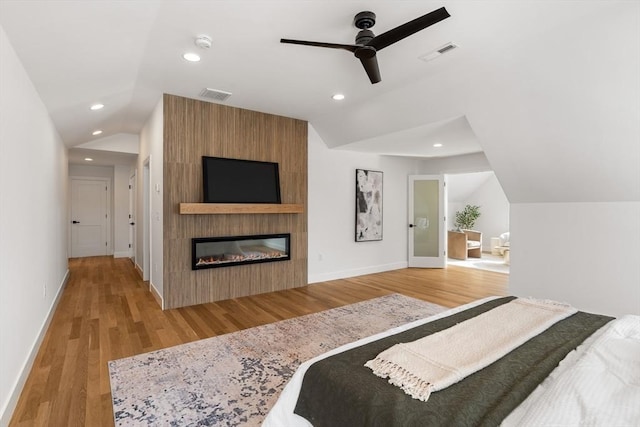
239 208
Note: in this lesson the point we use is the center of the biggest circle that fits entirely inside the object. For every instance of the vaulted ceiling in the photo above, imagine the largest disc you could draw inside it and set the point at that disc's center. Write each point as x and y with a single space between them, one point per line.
549 90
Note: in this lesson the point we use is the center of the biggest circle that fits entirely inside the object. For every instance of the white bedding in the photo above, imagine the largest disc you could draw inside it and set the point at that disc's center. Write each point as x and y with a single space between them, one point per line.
596 385
603 374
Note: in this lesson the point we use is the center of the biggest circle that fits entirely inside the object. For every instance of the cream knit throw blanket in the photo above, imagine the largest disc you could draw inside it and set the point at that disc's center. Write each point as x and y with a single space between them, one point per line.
444 358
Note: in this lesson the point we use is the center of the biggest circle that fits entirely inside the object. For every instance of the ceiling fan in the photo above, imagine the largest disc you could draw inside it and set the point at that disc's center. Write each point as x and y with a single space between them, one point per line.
367 44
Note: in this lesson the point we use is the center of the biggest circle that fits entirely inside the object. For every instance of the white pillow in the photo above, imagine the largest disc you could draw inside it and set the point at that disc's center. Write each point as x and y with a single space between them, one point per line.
504 239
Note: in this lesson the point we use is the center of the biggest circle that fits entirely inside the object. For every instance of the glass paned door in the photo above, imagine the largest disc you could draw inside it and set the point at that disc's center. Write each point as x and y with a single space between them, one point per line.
426 221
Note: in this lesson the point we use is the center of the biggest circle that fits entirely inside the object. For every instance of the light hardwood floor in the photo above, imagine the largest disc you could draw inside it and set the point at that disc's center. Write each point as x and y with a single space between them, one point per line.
106 312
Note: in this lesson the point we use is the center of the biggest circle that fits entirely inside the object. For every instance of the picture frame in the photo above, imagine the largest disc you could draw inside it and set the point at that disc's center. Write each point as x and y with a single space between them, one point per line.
368 221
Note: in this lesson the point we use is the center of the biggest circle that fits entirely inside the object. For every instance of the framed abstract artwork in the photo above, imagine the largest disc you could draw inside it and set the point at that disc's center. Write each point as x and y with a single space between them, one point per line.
368 205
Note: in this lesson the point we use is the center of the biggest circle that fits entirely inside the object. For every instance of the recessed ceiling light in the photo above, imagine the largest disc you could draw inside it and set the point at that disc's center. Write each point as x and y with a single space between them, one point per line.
191 57
437 145
96 132
97 107
338 97
88 159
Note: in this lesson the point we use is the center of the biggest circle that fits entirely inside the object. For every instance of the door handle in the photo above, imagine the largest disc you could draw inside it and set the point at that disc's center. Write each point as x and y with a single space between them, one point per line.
411 225
75 222
132 223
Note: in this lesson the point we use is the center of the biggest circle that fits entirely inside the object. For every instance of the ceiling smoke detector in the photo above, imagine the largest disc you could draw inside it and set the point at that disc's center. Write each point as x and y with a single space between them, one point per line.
215 94
439 51
203 42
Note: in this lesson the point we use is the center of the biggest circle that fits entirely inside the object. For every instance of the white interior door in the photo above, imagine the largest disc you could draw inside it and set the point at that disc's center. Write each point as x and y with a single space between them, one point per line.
427 202
89 215
132 218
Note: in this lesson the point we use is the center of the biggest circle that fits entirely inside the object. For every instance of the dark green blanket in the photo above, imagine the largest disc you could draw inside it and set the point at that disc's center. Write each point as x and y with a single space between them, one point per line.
341 391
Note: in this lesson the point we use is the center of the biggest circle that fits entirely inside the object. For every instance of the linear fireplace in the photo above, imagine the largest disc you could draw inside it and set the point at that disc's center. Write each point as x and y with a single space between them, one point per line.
212 252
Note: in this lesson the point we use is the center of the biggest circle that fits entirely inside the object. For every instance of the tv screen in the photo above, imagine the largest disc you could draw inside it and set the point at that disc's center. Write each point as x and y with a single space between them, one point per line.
240 181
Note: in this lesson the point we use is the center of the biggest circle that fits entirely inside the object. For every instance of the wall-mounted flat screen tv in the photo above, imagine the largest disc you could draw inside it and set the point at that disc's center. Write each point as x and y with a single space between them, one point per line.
240 181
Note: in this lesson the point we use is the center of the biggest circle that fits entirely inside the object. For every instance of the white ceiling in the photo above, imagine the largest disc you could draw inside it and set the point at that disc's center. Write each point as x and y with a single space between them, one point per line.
454 135
520 63
125 54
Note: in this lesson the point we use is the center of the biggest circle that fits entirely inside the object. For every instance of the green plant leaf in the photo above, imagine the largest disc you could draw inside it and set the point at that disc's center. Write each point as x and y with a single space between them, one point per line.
466 218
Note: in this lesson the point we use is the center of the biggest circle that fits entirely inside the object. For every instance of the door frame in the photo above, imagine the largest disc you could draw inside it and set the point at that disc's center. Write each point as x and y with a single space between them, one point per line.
132 216
146 218
428 262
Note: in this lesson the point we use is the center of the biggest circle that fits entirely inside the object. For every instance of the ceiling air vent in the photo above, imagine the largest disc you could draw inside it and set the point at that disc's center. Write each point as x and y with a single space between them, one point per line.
439 51
214 94
446 47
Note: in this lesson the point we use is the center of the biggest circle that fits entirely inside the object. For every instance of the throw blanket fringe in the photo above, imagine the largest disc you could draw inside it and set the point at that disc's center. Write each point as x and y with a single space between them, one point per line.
446 357
401 377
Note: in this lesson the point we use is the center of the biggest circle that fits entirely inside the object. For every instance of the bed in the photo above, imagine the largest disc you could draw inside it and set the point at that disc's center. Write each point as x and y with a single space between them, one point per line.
584 370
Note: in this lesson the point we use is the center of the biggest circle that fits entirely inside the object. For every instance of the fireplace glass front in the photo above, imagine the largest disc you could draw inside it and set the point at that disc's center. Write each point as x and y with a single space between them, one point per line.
212 252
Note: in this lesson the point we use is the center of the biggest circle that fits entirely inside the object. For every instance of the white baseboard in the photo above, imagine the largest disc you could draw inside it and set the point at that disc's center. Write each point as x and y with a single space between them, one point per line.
14 395
122 254
324 277
139 270
156 295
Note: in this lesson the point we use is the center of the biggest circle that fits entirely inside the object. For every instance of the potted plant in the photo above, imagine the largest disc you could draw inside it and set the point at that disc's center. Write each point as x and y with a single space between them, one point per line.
466 219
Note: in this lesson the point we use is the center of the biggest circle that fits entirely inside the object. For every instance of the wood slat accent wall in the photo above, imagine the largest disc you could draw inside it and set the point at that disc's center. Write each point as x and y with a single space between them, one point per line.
193 129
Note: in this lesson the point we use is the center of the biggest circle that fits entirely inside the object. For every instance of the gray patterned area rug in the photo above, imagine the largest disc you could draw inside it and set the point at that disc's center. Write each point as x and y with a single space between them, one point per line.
235 379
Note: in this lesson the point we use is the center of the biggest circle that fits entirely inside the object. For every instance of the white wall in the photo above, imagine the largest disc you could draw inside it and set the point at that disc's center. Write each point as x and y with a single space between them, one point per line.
466 163
151 148
564 145
587 254
33 221
119 203
91 171
494 210
333 252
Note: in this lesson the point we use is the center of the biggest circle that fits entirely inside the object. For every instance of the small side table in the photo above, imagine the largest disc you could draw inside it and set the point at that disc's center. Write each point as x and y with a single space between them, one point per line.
502 250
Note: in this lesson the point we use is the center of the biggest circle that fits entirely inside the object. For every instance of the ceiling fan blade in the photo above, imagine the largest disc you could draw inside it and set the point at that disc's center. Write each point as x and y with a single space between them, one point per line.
405 30
370 65
349 47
